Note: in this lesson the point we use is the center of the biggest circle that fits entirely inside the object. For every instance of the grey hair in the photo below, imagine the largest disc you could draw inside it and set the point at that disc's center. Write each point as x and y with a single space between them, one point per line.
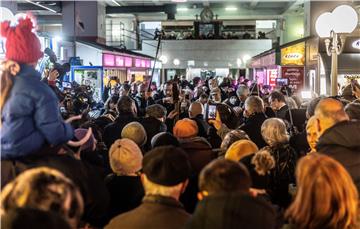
242 90
254 104
274 132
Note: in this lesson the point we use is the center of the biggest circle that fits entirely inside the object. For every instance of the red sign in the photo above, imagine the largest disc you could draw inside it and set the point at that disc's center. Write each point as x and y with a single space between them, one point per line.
295 76
272 74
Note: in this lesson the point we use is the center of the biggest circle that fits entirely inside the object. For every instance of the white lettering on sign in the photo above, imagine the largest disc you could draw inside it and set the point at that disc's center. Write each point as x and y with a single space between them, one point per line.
293 56
356 44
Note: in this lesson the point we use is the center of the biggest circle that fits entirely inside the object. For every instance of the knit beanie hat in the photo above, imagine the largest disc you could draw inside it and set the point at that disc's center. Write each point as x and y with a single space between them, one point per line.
136 132
240 149
164 139
125 157
88 145
22 45
185 128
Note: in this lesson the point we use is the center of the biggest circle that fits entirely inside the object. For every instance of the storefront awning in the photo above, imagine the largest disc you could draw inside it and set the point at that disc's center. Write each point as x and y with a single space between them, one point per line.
348 63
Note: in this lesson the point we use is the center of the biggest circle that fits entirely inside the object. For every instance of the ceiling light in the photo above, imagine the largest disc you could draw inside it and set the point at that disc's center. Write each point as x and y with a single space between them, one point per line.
39 5
182 9
231 8
179 0
176 61
116 3
163 59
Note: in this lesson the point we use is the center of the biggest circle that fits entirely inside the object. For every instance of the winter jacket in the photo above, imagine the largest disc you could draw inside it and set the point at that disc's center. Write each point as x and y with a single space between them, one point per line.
152 127
31 117
342 142
232 211
252 127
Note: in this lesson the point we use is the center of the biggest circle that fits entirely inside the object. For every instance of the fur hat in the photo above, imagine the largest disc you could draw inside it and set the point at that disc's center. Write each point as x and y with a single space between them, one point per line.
185 128
125 157
22 45
136 132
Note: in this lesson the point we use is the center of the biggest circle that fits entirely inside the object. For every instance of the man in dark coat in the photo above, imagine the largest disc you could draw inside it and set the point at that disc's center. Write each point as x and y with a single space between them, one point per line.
143 101
226 201
339 137
127 113
278 104
166 172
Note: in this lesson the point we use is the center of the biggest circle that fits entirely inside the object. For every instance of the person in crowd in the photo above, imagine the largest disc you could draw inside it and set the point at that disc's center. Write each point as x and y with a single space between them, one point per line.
276 136
134 89
110 107
37 122
20 218
154 122
44 189
124 183
213 83
240 149
165 175
197 148
125 89
353 111
167 99
337 136
311 134
203 99
278 104
127 113
135 132
231 137
196 113
143 100
164 139
226 201
326 196
215 94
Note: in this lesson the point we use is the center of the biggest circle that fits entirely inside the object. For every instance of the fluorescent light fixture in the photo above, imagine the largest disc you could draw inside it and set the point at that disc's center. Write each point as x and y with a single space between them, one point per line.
181 9
231 8
179 0
116 3
42 6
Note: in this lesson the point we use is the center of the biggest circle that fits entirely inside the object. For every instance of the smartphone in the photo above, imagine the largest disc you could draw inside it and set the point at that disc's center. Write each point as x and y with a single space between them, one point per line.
211 112
66 84
281 82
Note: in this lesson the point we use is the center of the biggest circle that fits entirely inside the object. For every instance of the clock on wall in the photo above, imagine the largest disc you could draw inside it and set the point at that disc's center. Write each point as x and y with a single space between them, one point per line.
206 15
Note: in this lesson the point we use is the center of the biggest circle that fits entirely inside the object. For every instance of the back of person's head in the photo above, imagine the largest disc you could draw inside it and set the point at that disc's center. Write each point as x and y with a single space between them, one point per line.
329 112
156 111
136 132
45 189
326 196
164 139
21 218
166 170
125 157
242 91
353 110
125 104
240 149
277 95
224 176
185 128
310 110
227 115
273 131
233 136
254 104
196 108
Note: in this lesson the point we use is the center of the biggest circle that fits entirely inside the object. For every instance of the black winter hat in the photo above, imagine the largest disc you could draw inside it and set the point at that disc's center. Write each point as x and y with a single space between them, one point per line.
164 139
166 165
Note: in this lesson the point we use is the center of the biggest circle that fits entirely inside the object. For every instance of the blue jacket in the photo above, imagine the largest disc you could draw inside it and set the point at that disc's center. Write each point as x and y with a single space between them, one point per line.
31 117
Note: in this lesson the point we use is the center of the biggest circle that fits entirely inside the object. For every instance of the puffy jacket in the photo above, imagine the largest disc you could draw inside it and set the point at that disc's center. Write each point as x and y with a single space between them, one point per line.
31 117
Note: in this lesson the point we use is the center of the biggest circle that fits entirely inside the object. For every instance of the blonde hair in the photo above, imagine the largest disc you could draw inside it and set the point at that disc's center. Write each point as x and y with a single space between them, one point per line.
240 149
326 195
274 132
45 189
263 161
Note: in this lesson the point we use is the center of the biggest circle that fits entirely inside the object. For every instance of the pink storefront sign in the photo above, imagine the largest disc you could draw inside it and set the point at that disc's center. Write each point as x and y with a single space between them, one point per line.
138 63
128 62
119 61
108 60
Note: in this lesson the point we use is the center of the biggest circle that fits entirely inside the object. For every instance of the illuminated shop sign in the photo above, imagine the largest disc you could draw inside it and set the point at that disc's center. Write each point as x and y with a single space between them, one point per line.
356 44
293 55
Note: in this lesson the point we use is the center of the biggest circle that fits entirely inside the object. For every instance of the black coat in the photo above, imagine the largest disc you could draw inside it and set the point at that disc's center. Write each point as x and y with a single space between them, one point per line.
142 104
342 142
156 212
252 127
152 127
281 113
126 193
207 131
232 211
112 131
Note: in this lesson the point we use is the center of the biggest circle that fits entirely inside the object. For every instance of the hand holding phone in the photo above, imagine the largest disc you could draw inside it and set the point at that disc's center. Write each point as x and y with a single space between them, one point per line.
211 115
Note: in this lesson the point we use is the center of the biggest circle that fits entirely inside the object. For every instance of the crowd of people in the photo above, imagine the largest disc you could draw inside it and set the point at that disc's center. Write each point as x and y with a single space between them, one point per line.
163 158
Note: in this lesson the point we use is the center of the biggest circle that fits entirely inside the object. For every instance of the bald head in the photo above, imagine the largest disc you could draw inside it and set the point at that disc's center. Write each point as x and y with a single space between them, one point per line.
195 109
331 109
328 112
